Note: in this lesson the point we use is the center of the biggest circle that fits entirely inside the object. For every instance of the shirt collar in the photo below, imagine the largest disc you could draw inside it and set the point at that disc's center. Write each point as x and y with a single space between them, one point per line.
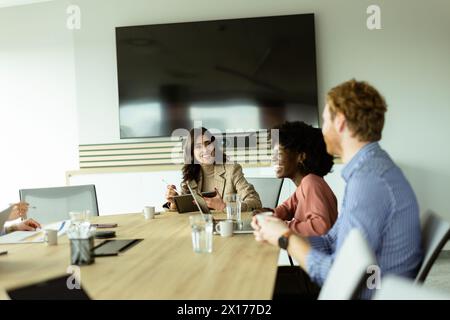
358 159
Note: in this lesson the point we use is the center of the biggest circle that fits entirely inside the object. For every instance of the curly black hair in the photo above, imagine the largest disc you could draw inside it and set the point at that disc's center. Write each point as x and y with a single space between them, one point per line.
302 138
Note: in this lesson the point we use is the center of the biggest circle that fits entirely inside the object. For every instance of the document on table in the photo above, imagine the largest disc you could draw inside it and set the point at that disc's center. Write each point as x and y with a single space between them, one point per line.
33 236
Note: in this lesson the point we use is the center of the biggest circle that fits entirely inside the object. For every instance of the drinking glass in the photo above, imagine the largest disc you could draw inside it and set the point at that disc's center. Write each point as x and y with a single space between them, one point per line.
202 233
233 206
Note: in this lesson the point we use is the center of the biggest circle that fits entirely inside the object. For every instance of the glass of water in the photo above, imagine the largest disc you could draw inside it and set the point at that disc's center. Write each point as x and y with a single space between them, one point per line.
202 233
233 203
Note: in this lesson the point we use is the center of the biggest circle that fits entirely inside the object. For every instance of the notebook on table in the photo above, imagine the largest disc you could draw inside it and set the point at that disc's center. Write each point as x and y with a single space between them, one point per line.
117 246
60 288
18 237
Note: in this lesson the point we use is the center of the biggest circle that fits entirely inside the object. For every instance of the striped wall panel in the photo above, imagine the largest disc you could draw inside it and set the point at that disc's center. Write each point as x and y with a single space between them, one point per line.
163 153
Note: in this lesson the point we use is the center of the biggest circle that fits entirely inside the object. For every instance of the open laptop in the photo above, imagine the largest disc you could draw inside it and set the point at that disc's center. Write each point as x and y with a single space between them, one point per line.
239 228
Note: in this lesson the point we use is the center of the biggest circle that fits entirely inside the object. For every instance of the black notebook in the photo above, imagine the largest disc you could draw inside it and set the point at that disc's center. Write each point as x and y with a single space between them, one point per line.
61 288
114 246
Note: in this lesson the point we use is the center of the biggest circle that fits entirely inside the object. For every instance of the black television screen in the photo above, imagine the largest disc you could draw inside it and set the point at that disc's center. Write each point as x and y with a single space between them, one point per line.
232 75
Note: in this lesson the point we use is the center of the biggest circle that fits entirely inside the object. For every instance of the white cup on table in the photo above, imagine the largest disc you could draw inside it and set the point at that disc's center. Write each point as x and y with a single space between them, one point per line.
149 212
225 228
51 237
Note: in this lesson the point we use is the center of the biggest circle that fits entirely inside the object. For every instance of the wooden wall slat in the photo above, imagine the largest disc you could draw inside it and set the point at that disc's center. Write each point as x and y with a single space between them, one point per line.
163 152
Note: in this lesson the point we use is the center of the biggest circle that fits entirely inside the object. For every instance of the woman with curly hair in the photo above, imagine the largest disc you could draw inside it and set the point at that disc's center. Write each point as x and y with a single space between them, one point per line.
301 155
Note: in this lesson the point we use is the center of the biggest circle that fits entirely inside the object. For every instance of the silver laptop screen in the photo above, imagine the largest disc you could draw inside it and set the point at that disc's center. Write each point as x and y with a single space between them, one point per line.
199 201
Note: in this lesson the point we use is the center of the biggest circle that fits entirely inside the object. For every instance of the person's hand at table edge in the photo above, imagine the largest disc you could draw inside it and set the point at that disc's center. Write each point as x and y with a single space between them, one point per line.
27 225
262 210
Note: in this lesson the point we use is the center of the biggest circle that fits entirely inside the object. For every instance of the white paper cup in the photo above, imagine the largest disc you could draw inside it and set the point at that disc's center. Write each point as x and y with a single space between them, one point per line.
149 213
51 237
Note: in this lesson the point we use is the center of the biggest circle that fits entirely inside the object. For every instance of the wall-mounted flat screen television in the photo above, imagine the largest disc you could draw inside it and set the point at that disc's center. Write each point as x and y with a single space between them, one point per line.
232 75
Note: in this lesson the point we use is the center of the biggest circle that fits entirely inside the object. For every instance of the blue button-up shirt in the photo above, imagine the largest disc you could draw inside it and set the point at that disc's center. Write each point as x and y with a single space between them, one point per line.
381 204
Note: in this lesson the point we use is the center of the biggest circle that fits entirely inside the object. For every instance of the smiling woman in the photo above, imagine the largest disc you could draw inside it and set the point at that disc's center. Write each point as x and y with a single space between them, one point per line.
206 170
301 156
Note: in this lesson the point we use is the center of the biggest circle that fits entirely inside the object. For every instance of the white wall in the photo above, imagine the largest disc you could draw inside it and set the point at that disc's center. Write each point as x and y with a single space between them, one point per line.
38 131
408 60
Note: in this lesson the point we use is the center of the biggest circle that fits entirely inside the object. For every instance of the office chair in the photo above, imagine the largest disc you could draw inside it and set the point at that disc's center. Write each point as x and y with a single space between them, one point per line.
349 268
435 234
397 288
48 205
269 190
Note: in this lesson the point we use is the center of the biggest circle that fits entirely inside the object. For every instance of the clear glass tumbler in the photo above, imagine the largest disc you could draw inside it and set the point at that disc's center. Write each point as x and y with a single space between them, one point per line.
233 203
202 233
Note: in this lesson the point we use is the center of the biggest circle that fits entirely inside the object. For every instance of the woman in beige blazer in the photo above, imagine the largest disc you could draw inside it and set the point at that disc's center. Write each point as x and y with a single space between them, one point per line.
206 169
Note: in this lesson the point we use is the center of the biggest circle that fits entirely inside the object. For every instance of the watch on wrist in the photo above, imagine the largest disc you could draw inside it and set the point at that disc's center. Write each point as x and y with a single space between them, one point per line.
283 241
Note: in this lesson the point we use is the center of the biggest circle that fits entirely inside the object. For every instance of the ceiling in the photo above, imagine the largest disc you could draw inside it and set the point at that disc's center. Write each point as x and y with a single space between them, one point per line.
12 3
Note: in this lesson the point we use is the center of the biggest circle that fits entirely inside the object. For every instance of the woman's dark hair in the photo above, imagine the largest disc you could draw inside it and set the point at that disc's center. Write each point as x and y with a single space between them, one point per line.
191 169
302 138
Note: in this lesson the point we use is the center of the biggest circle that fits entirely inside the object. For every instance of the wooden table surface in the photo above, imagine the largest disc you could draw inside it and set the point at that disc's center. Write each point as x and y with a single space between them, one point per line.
162 266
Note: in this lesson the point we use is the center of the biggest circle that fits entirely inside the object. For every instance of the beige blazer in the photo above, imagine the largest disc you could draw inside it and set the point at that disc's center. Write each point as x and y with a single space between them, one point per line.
229 179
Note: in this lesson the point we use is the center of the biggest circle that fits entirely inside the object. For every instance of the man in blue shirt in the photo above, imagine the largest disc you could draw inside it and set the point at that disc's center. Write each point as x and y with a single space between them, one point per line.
378 199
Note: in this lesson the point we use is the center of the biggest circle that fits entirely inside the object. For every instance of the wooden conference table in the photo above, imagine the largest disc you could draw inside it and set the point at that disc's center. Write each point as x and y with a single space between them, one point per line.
162 266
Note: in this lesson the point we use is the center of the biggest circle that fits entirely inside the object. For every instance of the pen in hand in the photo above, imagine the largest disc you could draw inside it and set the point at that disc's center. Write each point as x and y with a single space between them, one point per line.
168 184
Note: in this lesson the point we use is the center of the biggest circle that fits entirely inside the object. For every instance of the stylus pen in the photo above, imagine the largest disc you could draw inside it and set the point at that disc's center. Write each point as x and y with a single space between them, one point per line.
62 226
169 184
